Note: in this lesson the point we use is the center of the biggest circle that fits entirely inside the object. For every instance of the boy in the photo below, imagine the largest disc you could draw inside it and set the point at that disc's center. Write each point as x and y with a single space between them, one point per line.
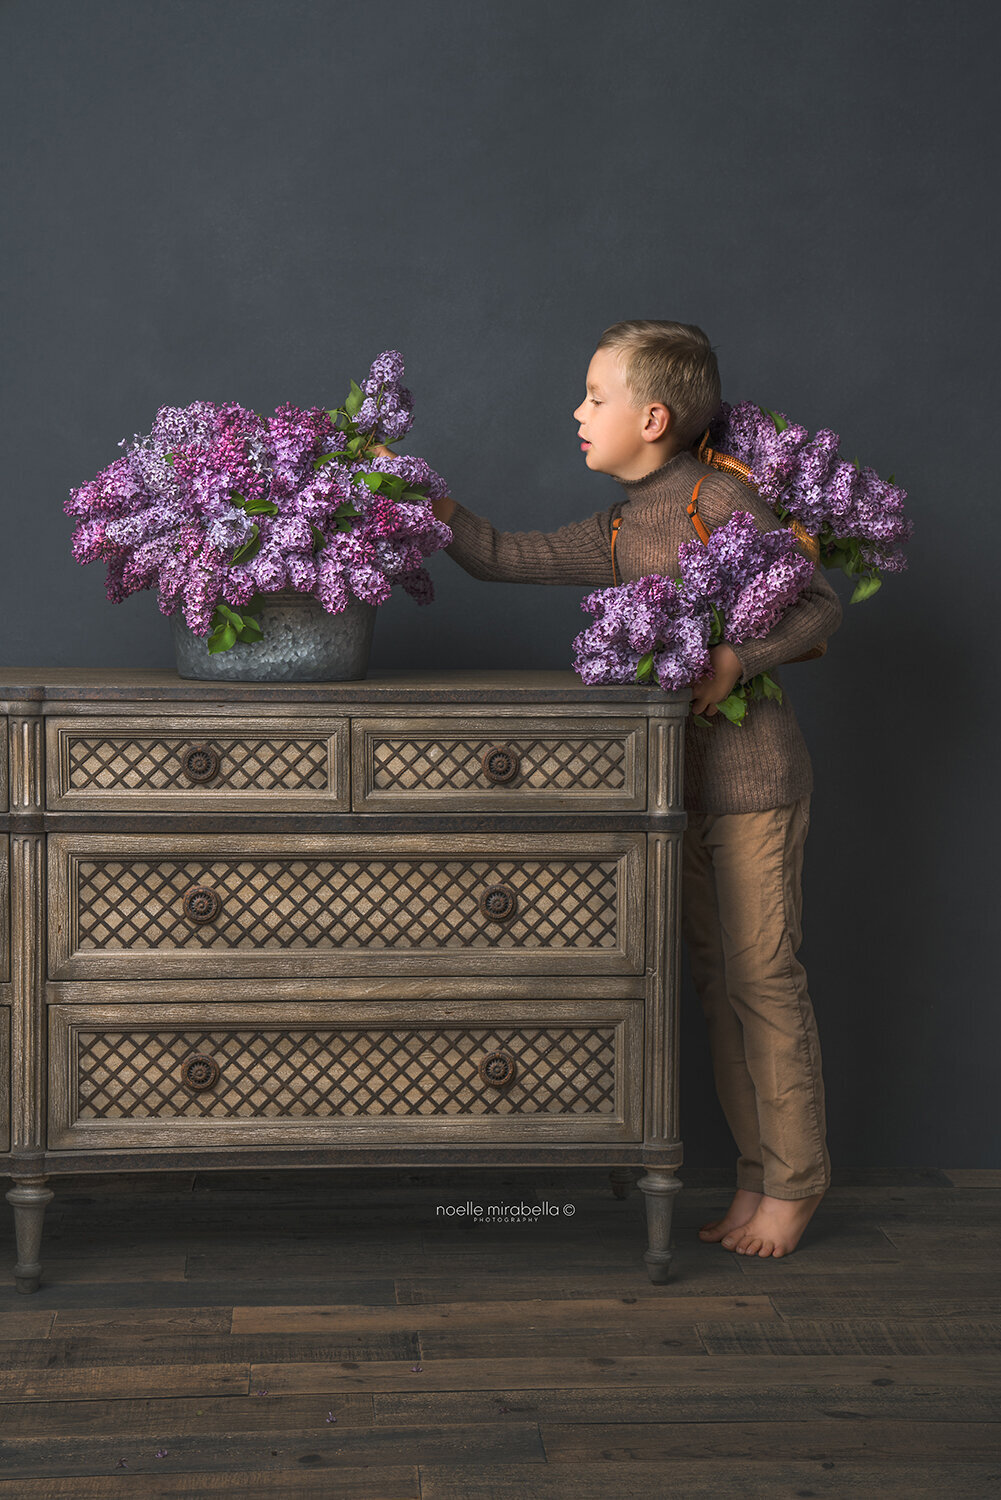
651 390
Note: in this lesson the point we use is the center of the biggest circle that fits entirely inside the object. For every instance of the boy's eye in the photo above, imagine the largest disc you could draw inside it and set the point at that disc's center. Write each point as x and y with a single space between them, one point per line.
596 402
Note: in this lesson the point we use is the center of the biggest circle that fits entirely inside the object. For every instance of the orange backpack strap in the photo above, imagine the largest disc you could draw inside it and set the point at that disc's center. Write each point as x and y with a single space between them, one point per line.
693 511
615 532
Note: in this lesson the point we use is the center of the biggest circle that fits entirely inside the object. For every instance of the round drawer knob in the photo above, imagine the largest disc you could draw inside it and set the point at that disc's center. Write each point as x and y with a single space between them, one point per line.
199 1072
499 903
497 1068
201 904
501 764
200 763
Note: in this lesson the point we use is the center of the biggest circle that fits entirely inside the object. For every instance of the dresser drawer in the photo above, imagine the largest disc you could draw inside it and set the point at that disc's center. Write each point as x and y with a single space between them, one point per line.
197 764
500 764
482 1071
216 904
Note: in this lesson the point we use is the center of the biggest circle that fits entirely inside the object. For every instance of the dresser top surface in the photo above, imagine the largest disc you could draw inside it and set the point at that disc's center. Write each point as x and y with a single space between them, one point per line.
69 684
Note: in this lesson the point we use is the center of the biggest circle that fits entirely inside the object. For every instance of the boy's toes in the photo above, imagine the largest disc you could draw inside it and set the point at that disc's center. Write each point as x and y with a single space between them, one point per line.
749 1245
713 1233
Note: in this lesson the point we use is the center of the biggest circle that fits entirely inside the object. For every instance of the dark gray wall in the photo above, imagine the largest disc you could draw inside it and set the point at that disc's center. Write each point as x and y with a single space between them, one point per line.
248 199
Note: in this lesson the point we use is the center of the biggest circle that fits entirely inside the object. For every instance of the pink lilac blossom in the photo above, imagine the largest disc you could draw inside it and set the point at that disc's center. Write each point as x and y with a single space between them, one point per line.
210 481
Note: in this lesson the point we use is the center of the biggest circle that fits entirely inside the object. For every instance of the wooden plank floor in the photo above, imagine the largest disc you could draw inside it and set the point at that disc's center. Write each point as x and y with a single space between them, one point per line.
334 1334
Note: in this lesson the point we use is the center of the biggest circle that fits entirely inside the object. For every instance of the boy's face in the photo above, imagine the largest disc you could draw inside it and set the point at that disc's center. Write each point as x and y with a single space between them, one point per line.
616 436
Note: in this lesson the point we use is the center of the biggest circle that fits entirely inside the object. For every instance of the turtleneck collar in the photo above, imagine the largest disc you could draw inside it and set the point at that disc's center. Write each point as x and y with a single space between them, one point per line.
669 471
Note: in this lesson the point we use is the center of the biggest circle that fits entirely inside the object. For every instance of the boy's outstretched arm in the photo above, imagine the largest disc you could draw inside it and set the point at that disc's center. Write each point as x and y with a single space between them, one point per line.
816 614
579 552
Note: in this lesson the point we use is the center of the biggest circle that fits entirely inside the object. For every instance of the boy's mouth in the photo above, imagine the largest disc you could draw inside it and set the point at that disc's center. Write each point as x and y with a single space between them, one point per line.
584 445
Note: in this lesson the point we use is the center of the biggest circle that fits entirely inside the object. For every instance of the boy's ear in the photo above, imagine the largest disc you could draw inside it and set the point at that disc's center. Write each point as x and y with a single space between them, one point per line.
659 419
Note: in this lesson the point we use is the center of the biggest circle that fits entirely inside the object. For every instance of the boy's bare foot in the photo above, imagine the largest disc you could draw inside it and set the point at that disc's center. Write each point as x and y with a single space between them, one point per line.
774 1228
740 1211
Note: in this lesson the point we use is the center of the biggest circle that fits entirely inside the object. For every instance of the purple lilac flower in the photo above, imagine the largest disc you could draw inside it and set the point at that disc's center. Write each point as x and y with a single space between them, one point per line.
763 601
832 498
228 530
388 406
647 615
751 576
171 512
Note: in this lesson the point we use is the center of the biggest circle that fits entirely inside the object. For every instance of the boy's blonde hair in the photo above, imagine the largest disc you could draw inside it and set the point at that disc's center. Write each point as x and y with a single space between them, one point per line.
672 363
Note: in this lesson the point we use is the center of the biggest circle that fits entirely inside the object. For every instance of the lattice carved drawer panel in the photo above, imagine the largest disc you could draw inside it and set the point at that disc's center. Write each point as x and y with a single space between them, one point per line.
561 1070
499 764
173 905
198 764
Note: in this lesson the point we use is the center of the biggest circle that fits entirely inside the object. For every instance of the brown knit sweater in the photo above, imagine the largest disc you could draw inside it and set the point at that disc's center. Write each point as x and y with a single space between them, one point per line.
728 768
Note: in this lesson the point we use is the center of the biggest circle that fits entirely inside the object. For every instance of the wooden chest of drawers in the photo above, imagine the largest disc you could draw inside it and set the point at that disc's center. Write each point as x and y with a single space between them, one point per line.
421 918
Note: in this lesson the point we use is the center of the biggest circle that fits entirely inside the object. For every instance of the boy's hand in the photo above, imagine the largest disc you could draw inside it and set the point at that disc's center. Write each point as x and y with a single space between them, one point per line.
709 691
442 508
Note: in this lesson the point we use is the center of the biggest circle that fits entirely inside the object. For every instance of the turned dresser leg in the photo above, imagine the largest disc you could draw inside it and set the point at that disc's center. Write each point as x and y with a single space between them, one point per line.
622 1179
29 1199
660 1188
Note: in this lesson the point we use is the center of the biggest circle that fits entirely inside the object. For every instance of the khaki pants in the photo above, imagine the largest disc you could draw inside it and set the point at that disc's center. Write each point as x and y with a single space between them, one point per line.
742 901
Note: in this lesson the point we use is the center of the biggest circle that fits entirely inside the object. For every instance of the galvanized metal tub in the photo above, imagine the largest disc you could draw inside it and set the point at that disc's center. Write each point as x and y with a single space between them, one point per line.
300 642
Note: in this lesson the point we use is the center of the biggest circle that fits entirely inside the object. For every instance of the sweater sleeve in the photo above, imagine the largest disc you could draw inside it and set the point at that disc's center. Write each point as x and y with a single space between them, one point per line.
579 552
817 612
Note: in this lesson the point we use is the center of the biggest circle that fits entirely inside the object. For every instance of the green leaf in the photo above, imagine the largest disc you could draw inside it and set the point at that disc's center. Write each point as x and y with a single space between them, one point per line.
237 499
228 614
327 458
701 719
716 633
769 688
352 402
734 708
412 495
865 588
394 486
169 457
344 514
250 547
222 639
644 667
261 508
251 631
319 540
374 481
890 480
780 422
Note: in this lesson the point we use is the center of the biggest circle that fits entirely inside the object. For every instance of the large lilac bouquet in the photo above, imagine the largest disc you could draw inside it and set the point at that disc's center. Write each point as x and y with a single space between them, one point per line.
857 517
641 629
738 584
217 506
